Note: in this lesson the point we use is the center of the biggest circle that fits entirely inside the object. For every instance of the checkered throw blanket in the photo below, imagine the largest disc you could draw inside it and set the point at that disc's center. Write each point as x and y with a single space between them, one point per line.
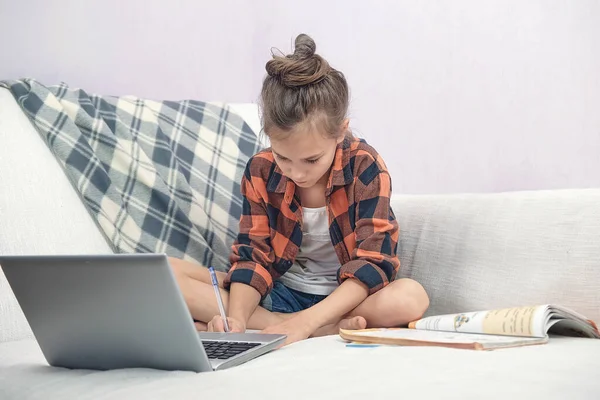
156 176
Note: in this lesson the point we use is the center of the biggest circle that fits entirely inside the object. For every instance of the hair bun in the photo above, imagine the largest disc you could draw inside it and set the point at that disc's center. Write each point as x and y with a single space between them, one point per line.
301 68
304 47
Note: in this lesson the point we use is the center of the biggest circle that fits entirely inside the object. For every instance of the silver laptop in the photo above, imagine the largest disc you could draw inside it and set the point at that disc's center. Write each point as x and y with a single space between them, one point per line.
106 312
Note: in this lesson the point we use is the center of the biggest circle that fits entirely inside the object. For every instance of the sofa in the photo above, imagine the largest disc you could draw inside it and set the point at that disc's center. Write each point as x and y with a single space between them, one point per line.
471 251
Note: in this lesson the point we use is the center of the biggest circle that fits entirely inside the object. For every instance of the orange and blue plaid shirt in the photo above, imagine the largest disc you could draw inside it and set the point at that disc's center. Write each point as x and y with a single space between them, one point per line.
362 225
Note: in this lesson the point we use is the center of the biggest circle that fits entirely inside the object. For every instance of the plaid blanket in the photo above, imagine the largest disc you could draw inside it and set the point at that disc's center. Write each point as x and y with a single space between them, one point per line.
156 176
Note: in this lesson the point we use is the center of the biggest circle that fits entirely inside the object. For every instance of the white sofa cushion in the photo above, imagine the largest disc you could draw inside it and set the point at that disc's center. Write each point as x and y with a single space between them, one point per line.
249 113
480 251
40 212
324 368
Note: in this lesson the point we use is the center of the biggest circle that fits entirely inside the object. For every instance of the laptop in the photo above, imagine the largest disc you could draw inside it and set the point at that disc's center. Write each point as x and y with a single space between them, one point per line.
104 312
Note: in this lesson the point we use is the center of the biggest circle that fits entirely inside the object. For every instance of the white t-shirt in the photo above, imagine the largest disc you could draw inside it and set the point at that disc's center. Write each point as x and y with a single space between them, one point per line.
315 269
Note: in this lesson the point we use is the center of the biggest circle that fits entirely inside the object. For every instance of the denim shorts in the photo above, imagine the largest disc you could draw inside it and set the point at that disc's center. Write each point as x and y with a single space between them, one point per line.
282 299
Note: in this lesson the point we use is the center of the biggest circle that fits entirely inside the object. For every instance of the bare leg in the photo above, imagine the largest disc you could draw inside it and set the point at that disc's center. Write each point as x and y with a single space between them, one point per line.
194 282
397 304
402 301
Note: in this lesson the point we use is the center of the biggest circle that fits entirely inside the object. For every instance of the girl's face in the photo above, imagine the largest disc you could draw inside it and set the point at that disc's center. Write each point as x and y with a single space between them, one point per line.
305 155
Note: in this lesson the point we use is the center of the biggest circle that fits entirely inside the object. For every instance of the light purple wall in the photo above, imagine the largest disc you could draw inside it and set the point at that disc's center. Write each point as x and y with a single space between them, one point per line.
158 49
462 96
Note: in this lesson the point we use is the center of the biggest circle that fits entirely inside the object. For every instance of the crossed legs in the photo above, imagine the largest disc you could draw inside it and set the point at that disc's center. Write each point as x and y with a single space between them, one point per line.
400 302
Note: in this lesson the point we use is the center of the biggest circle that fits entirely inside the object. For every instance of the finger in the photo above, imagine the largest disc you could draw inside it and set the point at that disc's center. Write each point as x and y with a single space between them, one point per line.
201 326
211 327
233 325
218 325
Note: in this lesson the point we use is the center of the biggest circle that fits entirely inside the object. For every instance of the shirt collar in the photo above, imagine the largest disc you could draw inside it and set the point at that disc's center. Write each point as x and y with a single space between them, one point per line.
340 173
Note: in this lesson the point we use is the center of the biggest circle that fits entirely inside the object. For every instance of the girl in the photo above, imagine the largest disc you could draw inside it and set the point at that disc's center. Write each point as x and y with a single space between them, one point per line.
316 249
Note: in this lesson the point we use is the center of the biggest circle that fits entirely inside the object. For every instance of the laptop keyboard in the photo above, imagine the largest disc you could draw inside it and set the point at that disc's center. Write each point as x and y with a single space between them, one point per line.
225 350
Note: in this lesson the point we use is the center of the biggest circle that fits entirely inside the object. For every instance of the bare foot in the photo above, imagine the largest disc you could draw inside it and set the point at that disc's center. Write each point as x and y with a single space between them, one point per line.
348 323
352 323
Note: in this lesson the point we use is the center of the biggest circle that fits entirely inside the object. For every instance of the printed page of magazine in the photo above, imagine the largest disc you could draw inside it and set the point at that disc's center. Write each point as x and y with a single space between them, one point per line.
515 321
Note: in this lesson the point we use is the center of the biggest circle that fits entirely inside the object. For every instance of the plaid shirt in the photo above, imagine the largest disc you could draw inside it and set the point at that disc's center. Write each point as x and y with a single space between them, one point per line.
362 225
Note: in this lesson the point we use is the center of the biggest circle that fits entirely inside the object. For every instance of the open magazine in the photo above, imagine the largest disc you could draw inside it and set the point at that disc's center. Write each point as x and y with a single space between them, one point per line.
531 321
483 330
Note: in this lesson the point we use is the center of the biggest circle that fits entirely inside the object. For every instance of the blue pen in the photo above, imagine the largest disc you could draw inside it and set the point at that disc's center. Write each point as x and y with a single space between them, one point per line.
215 283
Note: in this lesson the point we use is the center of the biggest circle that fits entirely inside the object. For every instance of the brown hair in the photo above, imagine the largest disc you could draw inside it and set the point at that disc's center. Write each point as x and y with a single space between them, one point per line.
303 87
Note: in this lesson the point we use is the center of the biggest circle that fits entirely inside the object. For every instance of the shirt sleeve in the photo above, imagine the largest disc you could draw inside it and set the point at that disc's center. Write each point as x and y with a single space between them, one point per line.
252 253
374 261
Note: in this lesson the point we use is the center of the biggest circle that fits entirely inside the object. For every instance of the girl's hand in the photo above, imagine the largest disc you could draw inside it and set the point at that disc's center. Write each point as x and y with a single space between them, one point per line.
235 325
